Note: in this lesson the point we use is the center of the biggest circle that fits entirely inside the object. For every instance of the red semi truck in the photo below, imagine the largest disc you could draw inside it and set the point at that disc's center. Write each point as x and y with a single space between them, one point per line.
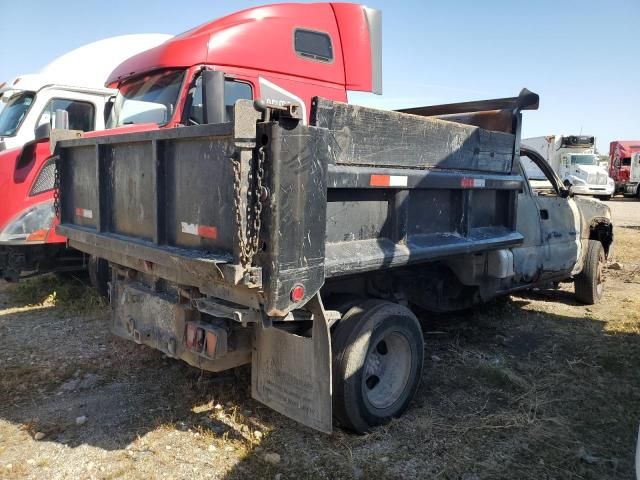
282 54
622 168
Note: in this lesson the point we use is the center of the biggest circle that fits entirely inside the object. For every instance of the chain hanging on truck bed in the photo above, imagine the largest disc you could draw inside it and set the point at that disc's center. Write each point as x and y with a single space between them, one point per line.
56 188
249 243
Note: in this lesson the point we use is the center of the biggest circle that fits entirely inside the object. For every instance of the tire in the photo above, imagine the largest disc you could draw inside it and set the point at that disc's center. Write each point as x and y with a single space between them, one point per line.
589 285
342 302
604 198
378 352
99 275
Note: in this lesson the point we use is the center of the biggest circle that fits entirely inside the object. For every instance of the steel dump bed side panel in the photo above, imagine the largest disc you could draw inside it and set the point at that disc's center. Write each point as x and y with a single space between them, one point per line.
362 136
336 203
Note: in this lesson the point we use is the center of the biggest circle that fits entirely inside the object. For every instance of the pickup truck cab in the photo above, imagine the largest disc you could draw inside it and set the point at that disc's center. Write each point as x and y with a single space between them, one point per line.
573 234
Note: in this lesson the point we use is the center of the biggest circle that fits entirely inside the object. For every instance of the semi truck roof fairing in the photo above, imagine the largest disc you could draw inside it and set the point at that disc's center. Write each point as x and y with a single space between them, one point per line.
625 148
262 38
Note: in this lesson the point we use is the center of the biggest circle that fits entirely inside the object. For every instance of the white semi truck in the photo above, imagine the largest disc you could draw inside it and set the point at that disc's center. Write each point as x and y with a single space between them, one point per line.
574 159
73 82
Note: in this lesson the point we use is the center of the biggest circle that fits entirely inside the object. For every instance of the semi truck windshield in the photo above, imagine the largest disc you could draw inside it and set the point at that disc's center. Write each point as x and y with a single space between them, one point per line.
13 113
148 99
584 160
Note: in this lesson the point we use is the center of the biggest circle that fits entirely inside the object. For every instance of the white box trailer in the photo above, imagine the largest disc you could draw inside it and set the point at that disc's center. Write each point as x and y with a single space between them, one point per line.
574 159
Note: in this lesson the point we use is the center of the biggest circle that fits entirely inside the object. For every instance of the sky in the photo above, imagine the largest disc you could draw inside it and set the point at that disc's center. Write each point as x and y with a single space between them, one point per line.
581 57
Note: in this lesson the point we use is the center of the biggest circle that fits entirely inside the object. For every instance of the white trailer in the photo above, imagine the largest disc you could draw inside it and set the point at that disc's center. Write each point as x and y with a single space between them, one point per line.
73 82
574 159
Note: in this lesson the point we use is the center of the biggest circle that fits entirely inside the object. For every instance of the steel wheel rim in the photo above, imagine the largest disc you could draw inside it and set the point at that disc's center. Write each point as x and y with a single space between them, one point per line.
386 370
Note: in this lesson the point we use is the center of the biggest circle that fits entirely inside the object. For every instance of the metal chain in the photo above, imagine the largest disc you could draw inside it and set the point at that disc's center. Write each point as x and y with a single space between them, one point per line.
56 188
249 241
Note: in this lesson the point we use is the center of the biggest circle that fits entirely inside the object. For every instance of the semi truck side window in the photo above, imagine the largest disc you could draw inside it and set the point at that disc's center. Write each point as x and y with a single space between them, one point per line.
233 91
313 45
81 114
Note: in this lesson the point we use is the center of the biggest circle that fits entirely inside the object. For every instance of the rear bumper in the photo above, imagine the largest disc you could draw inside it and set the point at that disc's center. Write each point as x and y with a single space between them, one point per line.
631 188
154 318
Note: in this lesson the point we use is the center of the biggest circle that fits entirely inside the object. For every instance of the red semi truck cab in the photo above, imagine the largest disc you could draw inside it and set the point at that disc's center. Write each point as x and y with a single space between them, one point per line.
286 53
281 54
620 165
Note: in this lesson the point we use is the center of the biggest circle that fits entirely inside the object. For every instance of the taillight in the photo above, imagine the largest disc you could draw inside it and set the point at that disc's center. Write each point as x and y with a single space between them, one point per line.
297 293
206 340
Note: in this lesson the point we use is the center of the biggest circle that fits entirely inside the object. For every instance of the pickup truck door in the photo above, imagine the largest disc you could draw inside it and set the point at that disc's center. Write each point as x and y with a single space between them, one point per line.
527 257
559 221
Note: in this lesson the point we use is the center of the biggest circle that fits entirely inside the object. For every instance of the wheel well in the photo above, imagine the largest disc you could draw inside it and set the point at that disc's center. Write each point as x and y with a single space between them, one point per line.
603 232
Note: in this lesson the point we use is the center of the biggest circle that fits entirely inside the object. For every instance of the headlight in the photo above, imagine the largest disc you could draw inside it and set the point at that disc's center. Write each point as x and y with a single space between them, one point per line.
578 181
610 181
31 225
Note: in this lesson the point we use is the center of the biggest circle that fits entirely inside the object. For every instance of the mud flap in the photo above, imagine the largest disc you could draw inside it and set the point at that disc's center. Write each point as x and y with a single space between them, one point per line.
292 374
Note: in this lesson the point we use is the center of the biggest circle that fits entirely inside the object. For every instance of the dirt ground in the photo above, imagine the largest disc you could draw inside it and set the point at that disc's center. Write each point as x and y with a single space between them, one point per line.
537 387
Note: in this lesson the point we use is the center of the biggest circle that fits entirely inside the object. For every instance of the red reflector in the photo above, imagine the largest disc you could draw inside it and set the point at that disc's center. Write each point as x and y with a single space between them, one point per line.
297 293
466 182
195 337
192 331
379 180
208 232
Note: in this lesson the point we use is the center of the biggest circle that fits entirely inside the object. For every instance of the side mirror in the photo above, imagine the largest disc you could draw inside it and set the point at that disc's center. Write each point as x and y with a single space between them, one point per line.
43 132
108 108
61 120
213 96
566 192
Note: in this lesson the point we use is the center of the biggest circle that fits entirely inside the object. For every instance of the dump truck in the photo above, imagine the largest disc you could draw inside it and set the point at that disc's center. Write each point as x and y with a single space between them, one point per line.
574 159
68 92
624 166
301 247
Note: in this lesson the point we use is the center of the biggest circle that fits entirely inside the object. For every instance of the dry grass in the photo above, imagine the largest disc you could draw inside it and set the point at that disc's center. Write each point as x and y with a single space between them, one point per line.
72 295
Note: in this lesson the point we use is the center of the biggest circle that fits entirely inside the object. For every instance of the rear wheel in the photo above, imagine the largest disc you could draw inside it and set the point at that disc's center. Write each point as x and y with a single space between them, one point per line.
378 351
589 284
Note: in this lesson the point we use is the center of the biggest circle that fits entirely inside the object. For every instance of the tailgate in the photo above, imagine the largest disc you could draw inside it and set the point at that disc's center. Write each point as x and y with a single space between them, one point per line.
157 190
180 204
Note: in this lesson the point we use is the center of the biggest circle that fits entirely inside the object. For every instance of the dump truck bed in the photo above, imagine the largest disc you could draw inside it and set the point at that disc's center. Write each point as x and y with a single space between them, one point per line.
358 190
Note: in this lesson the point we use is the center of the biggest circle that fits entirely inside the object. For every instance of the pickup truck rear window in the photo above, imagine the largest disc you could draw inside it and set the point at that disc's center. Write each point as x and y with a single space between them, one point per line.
313 45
